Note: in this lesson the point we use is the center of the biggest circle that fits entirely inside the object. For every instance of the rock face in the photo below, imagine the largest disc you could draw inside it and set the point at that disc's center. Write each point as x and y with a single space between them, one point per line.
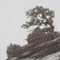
36 50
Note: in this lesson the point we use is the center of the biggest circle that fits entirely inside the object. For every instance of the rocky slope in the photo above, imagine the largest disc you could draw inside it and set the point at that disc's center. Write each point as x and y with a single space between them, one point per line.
55 56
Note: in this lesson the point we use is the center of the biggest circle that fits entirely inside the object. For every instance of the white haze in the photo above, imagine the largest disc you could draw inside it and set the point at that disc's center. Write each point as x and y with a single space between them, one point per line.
12 16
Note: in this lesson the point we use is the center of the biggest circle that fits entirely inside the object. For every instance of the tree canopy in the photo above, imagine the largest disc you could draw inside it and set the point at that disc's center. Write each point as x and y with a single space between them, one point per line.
39 16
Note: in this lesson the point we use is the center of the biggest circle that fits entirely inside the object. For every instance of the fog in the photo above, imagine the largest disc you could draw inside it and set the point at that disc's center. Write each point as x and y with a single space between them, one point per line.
12 16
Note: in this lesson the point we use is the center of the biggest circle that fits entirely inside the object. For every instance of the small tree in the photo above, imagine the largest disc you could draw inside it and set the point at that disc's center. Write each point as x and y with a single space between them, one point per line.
40 16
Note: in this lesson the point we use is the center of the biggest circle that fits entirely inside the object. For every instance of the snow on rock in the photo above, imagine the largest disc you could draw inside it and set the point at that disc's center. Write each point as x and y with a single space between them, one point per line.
14 58
55 56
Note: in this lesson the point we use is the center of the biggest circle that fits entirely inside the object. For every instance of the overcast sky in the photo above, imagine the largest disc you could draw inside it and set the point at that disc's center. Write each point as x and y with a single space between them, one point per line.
12 16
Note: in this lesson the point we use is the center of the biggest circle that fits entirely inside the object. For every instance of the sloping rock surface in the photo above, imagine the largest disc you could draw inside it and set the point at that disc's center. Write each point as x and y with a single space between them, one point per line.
55 56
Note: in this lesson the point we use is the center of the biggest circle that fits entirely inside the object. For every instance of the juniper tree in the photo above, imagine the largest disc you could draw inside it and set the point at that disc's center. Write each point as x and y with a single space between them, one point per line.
40 16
